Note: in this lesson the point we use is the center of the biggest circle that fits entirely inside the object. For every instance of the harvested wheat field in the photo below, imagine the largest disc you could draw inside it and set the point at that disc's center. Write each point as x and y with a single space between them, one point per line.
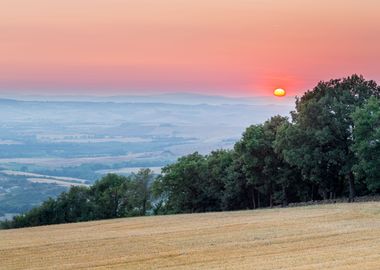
339 236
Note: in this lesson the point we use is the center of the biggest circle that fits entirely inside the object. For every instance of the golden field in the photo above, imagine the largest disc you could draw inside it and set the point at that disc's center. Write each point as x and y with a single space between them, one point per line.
337 236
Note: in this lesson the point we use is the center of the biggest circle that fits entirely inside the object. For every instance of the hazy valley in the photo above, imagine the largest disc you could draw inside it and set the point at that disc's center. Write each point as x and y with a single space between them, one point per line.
48 145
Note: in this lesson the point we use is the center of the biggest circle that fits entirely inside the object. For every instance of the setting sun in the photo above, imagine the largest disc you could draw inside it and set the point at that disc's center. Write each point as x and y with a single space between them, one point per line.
279 92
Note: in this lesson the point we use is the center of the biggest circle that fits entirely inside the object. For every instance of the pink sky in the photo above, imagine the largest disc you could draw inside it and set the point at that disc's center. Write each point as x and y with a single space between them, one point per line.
235 47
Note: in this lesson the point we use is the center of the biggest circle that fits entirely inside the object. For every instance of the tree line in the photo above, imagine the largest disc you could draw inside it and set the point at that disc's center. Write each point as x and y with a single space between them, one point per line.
113 196
329 148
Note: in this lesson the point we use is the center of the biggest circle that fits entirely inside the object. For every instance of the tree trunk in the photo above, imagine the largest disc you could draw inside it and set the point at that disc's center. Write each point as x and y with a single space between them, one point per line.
258 199
115 204
271 200
351 183
325 195
285 196
144 207
312 192
253 198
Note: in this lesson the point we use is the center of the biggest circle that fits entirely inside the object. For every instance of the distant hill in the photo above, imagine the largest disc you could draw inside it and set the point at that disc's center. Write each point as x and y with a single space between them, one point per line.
158 109
170 98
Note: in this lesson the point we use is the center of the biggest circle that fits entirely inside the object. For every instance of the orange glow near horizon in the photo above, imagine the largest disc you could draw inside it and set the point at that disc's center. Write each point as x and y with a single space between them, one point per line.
226 47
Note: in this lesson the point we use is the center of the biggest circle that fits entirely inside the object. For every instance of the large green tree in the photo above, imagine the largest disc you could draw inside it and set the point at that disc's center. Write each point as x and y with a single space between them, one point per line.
180 187
252 150
282 178
195 183
268 175
139 192
319 140
109 196
237 190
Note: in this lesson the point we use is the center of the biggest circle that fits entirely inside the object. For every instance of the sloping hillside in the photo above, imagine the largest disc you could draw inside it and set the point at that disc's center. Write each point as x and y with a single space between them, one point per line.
340 236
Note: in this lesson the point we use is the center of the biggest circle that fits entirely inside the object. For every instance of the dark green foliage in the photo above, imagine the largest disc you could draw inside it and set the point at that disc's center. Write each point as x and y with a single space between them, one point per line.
218 170
367 143
195 183
139 193
252 149
181 185
108 196
320 137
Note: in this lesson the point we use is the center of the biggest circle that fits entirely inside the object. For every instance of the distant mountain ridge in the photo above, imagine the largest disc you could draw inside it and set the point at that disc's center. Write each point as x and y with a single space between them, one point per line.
170 98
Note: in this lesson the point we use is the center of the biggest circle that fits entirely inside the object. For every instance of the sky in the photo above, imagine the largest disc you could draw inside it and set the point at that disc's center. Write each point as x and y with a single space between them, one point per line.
223 47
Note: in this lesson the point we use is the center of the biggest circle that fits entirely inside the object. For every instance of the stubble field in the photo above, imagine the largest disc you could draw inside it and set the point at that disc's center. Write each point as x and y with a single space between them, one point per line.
338 236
